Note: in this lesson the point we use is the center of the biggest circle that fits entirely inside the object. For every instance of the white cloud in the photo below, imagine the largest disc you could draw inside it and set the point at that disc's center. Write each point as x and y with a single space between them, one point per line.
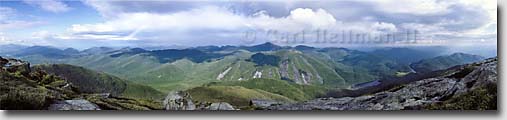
7 12
149 21
298 19
201 18
411 6
490 6
49 5
213 18
104 7
17 24
8 20
42 35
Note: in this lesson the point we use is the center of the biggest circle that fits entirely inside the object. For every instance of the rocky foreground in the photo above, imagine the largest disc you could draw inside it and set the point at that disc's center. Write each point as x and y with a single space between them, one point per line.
466 87
26 88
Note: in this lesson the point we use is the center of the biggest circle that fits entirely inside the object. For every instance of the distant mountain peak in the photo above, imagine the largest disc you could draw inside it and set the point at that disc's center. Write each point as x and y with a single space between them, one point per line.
462 54
268 46
303 47
267 43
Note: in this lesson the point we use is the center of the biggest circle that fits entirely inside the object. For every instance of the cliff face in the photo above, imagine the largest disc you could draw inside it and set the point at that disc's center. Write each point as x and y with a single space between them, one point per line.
466 87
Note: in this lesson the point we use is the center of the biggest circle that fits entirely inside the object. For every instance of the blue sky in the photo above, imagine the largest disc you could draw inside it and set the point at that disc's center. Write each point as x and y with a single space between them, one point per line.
88 23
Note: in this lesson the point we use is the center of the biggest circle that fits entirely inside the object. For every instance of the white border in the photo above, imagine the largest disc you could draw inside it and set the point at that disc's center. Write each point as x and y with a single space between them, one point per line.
293 115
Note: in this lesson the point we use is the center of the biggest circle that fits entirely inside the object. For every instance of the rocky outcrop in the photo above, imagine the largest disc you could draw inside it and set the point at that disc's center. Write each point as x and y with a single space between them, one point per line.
284 70
220 106
222 75
23 88
257 74
296 74
260 103
178 101
73 105
14 65
423 94
305 76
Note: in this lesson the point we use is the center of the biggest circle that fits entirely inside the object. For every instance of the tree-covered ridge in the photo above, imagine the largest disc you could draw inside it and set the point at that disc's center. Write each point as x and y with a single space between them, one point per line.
171 55
89 81
263 59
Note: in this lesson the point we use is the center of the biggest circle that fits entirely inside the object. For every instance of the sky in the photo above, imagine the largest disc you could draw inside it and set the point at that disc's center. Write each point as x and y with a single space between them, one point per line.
89 23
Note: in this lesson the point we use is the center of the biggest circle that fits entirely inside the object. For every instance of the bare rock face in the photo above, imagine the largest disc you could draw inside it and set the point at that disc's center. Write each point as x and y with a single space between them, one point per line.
73 105
416 95
178 101
220 106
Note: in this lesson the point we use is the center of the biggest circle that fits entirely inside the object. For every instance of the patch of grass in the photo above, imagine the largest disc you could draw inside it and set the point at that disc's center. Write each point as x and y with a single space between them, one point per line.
135 90
284 88
118 103
235 95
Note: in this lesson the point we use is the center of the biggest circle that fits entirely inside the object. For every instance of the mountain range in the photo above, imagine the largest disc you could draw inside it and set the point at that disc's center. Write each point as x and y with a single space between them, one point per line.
235 74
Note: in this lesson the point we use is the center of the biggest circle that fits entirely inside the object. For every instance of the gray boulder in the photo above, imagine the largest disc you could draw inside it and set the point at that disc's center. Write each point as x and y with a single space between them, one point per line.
178 101
220 106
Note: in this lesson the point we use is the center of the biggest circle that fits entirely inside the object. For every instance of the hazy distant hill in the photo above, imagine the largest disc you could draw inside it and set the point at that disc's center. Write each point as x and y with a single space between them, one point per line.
9 49
38 54
97 50
407 55
263 47
444 62
46 51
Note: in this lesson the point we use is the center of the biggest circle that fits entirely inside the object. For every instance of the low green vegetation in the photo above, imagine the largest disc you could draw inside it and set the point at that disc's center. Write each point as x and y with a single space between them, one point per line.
21 90
484 98
88 81
263 59
290 90
239 93
235 95
118 103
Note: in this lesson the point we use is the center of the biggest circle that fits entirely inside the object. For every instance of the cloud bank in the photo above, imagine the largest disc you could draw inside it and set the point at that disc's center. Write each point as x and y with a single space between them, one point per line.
225 22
